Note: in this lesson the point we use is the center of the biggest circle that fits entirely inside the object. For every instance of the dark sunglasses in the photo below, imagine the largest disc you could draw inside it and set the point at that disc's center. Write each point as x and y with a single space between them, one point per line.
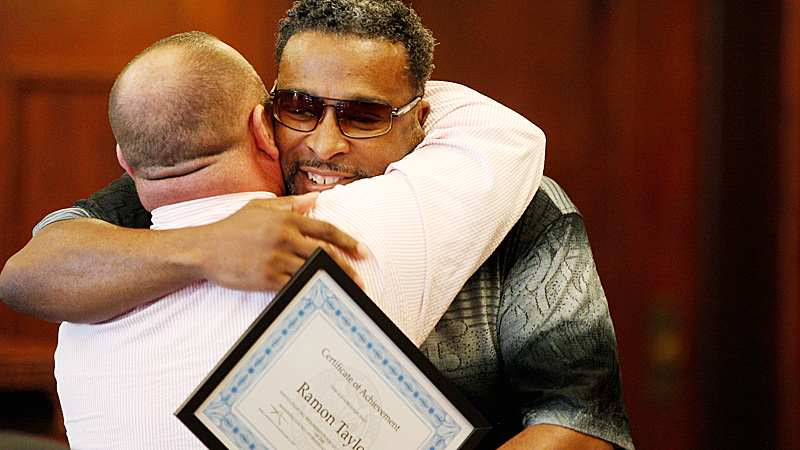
356 118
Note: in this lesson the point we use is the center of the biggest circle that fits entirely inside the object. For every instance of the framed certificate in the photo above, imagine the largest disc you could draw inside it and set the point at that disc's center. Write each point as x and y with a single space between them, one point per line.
323 368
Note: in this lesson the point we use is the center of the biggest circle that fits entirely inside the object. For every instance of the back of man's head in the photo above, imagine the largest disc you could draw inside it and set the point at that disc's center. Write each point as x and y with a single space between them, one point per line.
186 96
368 19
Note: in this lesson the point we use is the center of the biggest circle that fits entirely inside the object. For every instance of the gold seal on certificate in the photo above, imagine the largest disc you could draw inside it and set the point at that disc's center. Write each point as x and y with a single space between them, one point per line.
323 368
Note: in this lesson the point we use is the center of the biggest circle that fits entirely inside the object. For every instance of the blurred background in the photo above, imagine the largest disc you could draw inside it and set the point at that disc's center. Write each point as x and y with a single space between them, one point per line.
674 125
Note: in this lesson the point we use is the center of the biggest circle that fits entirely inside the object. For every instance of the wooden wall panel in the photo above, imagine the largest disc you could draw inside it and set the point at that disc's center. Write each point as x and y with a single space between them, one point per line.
789 250
54 166
650 249
9 234
615 86
97 38
743 311
51 165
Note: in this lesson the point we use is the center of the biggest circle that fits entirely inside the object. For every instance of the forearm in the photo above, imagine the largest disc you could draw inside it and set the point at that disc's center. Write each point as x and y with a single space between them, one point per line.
553 437
85 270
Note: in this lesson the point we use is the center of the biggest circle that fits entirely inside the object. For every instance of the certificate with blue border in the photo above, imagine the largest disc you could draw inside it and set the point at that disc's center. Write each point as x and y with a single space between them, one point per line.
322 368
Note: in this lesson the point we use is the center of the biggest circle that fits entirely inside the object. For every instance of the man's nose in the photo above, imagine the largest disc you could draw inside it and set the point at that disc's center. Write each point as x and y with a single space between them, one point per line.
327 140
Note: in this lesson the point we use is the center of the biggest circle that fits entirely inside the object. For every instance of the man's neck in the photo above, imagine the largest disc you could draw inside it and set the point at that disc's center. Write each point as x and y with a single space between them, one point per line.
207 181
202 211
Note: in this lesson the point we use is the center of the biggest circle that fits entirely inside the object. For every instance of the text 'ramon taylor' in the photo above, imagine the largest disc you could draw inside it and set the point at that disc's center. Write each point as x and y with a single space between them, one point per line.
341 427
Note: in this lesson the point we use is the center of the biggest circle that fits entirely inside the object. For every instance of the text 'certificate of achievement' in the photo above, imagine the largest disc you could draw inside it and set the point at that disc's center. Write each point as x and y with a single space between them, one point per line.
323 368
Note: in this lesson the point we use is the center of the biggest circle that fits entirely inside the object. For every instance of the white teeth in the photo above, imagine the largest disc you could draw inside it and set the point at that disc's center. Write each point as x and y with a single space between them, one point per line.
319 179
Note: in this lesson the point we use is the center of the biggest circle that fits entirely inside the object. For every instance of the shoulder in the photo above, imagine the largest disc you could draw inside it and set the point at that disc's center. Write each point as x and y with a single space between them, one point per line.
550 205
448 95
551 193
118 203
453 104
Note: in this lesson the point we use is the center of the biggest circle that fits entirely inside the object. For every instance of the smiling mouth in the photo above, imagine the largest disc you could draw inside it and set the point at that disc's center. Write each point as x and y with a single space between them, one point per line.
312 175
323 179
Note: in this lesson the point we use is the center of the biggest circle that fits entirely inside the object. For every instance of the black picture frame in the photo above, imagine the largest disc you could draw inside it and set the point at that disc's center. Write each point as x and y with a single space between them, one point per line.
288 297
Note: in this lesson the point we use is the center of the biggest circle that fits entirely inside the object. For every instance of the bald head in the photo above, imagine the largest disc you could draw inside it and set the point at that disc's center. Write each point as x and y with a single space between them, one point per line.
184 97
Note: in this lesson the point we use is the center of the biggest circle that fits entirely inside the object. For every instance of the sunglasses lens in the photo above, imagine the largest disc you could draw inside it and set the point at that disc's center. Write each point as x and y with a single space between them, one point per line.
357 119
364 119
297 110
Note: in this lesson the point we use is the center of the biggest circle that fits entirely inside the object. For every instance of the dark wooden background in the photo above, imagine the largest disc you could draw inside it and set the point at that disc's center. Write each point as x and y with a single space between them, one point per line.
673 124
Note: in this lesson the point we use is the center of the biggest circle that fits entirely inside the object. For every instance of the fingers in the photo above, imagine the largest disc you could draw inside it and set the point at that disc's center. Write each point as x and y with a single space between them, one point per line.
263 245
313 234
312 228
303 203
282 270
323 231
337 257
279 274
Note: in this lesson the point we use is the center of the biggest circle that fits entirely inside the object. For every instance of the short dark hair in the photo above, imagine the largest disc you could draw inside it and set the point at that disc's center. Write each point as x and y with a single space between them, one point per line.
183 97
371 19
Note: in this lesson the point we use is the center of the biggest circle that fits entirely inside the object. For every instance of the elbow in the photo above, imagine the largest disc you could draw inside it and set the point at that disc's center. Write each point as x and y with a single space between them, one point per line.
15 289
10 288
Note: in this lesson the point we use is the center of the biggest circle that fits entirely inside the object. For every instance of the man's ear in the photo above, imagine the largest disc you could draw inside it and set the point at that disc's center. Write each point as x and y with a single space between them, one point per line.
423 109
261 124
124 163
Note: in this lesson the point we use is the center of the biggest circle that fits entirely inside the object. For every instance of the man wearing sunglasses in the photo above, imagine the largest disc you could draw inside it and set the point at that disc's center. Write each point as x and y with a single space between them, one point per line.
331 130
539 353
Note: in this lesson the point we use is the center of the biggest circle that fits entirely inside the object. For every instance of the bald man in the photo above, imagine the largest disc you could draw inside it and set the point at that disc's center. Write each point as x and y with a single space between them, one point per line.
189 119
